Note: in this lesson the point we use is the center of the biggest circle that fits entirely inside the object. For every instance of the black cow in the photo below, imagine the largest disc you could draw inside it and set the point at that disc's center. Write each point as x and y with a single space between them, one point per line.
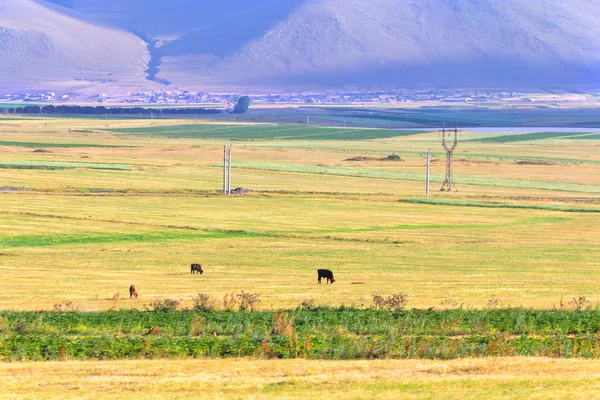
196 268
132 292
327 274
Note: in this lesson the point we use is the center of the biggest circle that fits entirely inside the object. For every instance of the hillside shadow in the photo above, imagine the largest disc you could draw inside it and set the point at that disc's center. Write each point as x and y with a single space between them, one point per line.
229 25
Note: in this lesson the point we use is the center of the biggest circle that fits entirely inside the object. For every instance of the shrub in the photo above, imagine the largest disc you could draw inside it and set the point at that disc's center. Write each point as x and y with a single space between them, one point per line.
248 301
579 303
493 303
283 324
198 325
450 303
202 302
66 305
164 305
394 302
307 305
229 302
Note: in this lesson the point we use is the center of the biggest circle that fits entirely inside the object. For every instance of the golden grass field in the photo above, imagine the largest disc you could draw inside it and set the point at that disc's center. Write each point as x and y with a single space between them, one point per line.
84 234
490 378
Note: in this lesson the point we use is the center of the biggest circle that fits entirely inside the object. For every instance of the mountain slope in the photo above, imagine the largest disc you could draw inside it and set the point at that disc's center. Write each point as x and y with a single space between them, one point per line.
46 47
448 42
207 44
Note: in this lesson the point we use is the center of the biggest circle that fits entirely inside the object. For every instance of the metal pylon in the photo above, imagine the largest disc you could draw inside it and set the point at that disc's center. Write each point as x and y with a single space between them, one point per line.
448 184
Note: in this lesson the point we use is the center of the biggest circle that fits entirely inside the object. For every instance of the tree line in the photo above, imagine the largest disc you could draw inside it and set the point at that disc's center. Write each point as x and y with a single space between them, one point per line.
240 107
102 110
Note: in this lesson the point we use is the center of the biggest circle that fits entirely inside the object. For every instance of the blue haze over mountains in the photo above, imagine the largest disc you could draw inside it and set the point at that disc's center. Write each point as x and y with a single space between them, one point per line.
196 44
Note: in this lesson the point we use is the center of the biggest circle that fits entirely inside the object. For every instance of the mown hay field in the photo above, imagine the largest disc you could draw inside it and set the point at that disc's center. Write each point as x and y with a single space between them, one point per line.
490 378
91 206
139 208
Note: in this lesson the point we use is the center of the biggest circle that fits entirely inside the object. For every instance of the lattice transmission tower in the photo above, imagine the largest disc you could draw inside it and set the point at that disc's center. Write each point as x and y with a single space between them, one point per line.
449 181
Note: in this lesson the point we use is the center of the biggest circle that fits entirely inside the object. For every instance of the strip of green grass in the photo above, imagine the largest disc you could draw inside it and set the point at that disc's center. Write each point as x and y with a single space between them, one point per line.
355 321
55 145
264 132
377 173
529 137
314 334
55 165
52 240
491 204
588 137
469 156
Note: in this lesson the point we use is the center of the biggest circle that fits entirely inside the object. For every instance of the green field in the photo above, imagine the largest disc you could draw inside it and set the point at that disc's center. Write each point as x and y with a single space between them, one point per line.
534 136
264 132
166 331
138 201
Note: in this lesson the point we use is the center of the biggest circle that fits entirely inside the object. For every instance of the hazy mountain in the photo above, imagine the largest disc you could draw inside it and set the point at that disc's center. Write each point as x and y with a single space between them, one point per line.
46 47
233 43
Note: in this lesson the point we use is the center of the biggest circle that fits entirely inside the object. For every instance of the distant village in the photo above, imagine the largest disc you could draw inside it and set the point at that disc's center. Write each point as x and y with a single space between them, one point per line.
187 97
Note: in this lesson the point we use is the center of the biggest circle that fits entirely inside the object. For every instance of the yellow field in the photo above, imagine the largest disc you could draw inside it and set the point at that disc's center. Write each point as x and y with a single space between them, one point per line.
493 378
85 234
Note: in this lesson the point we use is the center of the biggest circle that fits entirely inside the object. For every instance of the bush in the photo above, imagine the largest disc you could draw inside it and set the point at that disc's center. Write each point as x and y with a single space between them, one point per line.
164 305
202 302
229 302
394 302
393 157
307 305
248 301
579 303
283 324
198 326
66 305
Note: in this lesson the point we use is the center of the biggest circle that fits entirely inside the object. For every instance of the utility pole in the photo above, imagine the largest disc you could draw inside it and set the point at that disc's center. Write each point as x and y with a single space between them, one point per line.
427 156
229 174
449 181
224 169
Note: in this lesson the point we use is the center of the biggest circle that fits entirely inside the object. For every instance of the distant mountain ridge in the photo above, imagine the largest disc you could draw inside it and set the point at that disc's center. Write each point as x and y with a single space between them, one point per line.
203 44
47 47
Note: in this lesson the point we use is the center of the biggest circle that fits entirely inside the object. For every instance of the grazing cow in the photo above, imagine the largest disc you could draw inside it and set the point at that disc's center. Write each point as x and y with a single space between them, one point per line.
327 274
196 268
132 292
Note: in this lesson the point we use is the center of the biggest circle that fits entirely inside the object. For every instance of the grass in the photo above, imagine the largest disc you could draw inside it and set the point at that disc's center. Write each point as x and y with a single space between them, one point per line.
519 237
589 137
532 137
45 145
320 333
379 173
93 232
493 378
264 132
95 246
54 165
493 204
105 238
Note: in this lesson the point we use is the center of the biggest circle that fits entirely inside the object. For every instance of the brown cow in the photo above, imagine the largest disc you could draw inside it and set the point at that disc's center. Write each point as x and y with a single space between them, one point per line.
196 268
132 292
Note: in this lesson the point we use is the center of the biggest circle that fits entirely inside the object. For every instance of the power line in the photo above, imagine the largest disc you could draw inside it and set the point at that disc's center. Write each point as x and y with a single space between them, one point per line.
449 181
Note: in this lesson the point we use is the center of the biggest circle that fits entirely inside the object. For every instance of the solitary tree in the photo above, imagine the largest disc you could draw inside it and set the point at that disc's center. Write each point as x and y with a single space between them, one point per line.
242 105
